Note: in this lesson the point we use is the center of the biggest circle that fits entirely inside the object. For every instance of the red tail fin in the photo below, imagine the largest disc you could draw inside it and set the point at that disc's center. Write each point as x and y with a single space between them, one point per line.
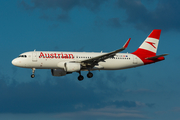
149 47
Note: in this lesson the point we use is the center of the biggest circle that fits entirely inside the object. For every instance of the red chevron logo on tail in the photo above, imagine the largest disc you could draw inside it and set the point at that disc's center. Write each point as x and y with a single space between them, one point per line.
151 43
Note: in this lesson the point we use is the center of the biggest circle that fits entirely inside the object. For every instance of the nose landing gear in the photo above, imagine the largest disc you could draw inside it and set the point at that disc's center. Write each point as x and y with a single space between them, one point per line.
33 71
32 76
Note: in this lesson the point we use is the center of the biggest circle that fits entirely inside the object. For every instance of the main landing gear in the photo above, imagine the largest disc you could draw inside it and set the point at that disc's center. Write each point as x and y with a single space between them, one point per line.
33 71
80 77
89 75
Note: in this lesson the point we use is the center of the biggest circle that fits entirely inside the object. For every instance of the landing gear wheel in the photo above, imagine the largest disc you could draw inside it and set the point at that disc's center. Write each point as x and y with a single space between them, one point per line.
89 75
32 76
80 78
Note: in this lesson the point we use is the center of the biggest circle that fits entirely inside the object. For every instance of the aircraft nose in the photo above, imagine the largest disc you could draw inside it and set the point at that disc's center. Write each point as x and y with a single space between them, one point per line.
14 62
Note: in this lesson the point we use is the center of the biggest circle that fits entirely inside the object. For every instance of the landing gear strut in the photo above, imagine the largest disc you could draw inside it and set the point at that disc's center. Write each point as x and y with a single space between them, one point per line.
80 77
33 70
89 75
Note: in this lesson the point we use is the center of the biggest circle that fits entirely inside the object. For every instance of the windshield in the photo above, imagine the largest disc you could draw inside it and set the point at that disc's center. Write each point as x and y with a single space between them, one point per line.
22 56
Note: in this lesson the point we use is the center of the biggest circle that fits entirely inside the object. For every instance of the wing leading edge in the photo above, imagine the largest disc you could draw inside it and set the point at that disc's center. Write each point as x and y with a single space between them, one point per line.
93 61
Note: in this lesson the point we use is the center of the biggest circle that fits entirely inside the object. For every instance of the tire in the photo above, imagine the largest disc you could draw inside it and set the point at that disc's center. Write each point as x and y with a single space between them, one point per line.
89 75
80 78
32 76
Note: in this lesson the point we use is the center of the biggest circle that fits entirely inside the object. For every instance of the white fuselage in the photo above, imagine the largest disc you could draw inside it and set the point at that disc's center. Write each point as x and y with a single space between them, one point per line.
50 60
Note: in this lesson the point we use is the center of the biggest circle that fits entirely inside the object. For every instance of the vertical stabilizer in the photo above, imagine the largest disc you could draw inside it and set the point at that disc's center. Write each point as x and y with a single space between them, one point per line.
150 45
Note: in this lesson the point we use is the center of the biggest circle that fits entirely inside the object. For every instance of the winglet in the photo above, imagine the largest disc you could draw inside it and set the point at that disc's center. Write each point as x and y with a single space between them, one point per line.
126 44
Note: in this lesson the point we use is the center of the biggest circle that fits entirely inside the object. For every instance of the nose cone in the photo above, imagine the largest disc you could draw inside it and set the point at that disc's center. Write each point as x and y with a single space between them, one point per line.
15 62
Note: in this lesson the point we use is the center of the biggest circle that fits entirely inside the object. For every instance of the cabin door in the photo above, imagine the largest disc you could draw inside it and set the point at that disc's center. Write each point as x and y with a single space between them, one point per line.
34 56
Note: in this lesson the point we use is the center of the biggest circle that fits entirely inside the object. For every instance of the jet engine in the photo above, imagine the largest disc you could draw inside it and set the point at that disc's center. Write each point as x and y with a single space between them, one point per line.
58 72
70 67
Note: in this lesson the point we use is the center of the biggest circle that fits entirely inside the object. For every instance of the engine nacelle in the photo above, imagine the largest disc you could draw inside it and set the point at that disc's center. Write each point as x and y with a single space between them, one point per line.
70 67
58 72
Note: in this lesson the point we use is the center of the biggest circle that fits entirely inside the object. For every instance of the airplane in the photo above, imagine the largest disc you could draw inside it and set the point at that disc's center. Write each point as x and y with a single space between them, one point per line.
62 63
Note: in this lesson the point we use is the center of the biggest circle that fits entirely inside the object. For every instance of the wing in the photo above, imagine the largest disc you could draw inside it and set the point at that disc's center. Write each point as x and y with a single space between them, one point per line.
93 61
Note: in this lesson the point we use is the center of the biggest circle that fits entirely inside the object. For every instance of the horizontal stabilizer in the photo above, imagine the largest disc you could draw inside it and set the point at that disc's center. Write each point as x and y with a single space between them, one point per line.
155 57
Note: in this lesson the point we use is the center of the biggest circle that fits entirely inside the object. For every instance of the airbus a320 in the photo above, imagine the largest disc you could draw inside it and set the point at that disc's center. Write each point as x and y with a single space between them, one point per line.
63 63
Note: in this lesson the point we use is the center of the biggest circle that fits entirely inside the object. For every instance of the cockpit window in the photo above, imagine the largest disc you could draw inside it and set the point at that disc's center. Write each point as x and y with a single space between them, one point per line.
22 56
